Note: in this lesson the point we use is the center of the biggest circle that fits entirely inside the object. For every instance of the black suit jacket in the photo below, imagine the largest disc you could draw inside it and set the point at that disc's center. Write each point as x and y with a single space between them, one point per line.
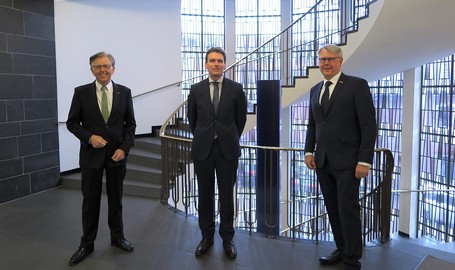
347 133
85 119
228 122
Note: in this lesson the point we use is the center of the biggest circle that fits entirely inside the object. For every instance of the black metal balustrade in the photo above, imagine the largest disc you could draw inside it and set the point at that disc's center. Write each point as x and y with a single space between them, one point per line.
285 57
302 209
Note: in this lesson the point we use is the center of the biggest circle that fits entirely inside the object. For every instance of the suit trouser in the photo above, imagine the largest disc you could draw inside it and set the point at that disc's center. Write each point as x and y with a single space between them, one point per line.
226 171
92 185
340 189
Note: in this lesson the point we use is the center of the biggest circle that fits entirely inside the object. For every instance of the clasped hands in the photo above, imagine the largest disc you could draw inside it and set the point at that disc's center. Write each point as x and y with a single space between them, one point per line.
360 170
99 142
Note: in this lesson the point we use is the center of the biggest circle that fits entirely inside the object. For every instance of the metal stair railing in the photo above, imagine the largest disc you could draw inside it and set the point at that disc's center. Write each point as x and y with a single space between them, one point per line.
289 54
305 216
286 57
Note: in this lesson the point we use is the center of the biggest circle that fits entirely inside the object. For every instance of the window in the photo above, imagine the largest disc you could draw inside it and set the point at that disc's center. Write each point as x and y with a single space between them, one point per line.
437 151
202 28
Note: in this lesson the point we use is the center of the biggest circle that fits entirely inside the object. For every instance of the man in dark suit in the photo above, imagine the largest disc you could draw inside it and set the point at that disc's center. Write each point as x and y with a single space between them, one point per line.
341 134
102 118
217 116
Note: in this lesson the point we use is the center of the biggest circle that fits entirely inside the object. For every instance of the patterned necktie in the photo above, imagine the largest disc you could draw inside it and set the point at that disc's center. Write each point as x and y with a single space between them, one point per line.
325 97
104 104
216 96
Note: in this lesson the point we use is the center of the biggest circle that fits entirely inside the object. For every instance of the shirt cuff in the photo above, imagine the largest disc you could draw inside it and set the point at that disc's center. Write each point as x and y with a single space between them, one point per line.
364 164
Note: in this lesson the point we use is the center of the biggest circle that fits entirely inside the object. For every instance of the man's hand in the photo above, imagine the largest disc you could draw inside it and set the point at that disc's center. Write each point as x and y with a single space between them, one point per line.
361 171
118 155
310 163
97 141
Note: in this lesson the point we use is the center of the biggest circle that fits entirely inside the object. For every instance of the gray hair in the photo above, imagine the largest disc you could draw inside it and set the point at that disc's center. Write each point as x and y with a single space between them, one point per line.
102 54
331 48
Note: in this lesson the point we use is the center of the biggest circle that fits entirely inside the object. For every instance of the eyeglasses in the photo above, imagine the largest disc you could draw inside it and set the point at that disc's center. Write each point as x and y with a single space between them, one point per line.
99 67
330 60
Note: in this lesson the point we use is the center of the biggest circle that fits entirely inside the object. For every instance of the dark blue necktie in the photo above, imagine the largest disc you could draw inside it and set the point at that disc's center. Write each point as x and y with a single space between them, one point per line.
325 97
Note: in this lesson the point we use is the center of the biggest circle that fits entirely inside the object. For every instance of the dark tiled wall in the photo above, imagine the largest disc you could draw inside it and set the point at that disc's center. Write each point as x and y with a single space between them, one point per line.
29 157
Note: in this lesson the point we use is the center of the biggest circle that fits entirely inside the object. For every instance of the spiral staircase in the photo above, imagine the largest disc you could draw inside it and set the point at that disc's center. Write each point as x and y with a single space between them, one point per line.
395 36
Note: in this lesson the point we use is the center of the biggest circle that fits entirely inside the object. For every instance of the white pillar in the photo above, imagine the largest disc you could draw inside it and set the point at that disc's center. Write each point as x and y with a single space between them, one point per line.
229 31
285 135
410 153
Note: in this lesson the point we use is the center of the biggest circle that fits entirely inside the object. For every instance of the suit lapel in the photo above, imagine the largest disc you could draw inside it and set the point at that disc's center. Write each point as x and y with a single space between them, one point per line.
316 97
224 93
339 85
205 87
93 98
116 97
337 89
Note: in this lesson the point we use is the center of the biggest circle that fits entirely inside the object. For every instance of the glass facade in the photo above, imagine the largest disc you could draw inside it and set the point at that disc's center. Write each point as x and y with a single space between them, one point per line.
202 23
436 216
258 21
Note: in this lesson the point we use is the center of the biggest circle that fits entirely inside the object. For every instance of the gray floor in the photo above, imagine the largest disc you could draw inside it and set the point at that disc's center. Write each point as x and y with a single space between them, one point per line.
42 231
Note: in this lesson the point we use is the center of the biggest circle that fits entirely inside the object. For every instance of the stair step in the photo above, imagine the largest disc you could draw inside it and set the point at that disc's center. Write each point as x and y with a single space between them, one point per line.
143 170
149 144
143 173
130 187
144 158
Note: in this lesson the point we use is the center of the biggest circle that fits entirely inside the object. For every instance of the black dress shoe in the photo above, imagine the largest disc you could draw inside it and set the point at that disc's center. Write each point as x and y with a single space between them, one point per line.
80 255
229 249
203 246
123 244
334 258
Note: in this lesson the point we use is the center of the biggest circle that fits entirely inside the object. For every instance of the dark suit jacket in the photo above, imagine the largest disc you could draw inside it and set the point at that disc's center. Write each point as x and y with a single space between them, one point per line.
85 120
228 122
347 134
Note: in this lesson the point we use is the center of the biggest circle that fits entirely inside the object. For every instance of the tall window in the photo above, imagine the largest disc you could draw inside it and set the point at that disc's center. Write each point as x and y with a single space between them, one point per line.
202 23
308 36
388 100
256 22
437 151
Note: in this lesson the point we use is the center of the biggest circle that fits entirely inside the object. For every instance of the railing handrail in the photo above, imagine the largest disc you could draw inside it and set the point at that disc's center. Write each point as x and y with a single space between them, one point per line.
294 59
378 183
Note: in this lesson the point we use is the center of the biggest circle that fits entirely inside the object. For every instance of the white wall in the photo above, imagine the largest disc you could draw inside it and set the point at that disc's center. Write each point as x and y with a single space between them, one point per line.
143 36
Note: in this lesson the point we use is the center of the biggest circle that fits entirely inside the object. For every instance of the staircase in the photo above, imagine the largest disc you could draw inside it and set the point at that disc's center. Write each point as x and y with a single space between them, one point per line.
143 173
395 36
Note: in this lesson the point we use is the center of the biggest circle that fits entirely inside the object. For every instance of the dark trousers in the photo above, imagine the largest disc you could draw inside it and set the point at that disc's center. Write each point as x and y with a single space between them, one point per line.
226 171
340 189
91 190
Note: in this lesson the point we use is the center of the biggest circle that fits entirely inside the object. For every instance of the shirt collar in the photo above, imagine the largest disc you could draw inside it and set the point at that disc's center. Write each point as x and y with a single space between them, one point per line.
334 79
220 80
109 86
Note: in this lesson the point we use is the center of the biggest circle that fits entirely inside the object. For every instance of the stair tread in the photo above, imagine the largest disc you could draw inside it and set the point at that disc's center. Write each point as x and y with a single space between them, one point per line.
140 183
130 166
140 152
77 177
153 140
142 168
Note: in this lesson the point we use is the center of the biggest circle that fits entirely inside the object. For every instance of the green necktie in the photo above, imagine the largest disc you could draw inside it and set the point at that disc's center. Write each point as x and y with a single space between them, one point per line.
104 104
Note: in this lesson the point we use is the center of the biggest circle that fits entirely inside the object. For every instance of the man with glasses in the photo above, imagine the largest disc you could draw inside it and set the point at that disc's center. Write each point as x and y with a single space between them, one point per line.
340 145
102 118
